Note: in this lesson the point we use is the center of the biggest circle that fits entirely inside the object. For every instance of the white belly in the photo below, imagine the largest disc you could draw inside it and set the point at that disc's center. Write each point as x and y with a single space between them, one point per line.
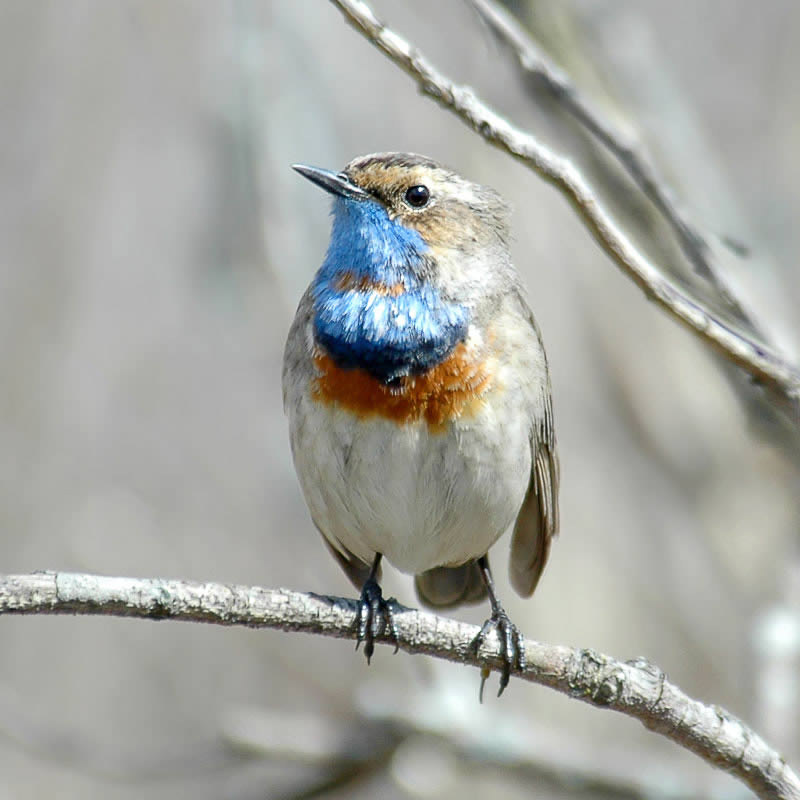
423 499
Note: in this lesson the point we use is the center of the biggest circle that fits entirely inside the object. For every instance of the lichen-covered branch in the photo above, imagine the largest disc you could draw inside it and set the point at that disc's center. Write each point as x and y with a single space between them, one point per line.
765 365
635 688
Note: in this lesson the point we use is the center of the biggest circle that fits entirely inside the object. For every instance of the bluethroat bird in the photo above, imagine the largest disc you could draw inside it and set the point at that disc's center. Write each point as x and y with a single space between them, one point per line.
418 395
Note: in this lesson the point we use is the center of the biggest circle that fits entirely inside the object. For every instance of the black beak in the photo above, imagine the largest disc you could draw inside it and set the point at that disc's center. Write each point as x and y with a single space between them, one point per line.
335 183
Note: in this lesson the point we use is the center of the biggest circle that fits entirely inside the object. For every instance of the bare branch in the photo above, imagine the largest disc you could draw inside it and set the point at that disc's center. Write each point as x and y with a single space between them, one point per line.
764 364
630 152
635 688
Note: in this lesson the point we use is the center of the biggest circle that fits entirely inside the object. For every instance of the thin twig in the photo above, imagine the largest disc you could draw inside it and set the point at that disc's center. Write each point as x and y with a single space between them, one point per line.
764 364
629 151
635 688
534 752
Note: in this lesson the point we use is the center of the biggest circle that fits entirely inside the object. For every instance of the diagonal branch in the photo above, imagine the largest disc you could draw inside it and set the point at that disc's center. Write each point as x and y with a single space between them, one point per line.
628 151
765 365
635 688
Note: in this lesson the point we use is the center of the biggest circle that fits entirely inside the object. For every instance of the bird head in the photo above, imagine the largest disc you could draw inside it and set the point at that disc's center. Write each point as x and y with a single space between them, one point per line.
403 215
415 252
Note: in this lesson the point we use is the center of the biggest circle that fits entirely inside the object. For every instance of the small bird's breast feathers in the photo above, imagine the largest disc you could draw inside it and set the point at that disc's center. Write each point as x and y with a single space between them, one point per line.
454 388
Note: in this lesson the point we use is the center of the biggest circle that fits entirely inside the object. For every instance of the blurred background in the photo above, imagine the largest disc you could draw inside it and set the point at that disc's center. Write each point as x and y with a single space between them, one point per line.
153 245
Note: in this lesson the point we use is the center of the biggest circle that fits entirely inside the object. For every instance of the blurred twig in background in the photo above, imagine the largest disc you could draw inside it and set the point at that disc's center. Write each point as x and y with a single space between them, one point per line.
635 688
760 361
630 152
404 732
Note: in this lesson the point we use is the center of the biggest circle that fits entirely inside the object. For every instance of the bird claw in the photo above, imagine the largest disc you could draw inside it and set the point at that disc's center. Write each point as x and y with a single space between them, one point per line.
373 616
512 647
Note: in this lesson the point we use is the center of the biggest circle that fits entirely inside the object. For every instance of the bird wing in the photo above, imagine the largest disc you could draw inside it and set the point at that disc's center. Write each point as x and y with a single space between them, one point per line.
537 521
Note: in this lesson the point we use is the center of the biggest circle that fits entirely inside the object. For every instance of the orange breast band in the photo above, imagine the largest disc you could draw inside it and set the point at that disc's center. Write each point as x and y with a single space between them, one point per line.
446 392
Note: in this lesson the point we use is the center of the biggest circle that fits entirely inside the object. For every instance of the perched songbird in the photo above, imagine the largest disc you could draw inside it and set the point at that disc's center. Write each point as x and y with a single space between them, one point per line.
418 394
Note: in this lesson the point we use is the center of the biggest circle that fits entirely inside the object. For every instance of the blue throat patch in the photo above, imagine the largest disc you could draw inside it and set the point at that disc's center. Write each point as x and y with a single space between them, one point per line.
372 308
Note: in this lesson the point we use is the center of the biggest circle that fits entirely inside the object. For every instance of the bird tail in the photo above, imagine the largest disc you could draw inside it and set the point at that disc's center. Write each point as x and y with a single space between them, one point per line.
446 587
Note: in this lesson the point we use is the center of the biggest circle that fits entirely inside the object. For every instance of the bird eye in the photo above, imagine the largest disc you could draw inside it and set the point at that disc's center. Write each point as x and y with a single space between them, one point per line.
417 196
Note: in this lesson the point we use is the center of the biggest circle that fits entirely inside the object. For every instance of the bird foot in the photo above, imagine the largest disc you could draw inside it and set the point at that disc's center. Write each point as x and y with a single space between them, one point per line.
373 616
512 647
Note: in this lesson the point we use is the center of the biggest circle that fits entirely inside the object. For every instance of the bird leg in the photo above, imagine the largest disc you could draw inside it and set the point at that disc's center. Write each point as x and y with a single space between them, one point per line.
374 613
512 643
